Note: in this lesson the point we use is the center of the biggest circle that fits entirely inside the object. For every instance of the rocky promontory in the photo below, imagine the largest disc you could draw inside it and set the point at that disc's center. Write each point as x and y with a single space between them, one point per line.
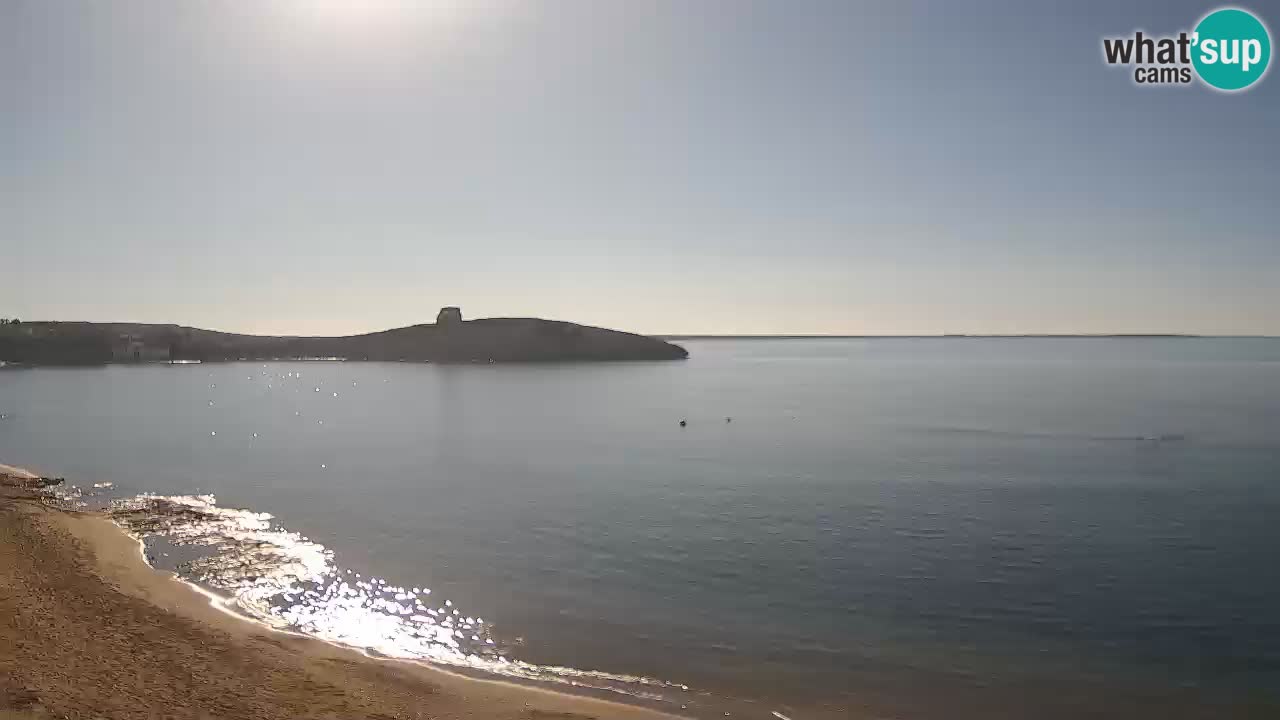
449 339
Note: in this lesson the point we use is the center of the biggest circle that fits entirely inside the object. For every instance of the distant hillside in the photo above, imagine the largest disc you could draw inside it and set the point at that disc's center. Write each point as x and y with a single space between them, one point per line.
450 339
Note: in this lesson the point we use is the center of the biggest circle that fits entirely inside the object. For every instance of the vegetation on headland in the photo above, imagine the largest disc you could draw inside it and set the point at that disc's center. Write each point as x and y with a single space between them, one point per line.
486 340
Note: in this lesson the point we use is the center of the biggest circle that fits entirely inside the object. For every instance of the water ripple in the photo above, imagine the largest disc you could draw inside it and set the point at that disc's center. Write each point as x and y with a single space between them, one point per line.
290 582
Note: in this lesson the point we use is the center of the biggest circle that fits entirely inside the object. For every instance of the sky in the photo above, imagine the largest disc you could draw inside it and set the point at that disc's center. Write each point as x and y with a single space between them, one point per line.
659 166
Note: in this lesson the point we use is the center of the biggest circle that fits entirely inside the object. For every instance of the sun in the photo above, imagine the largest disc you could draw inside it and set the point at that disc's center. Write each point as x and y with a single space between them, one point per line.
374 14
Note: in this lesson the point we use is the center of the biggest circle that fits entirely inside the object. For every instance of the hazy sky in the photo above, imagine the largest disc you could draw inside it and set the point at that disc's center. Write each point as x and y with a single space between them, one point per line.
756 167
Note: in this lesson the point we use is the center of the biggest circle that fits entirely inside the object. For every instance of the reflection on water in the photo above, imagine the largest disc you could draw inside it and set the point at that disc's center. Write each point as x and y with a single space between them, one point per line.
1079 525
291 582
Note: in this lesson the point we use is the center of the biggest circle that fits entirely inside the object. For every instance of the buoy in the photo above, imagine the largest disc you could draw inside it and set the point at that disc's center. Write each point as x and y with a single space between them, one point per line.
728 419
683 423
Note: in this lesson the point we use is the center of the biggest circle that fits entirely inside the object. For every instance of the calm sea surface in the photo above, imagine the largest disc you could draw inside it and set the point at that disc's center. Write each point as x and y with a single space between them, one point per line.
909 527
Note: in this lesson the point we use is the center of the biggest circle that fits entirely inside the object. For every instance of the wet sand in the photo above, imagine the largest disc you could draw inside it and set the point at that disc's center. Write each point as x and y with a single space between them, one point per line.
91 631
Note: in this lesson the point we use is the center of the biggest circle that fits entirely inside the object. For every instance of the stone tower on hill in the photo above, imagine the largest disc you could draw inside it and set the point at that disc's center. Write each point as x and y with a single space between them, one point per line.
449 316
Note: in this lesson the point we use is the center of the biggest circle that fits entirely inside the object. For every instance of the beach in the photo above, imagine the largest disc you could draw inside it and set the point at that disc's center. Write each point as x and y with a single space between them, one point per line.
92 631
886 528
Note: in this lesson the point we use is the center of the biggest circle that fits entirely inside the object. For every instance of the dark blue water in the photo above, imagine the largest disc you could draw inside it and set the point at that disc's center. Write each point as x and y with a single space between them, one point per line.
914 527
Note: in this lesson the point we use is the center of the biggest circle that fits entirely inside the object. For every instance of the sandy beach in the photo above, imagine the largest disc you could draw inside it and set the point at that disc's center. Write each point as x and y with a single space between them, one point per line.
91 631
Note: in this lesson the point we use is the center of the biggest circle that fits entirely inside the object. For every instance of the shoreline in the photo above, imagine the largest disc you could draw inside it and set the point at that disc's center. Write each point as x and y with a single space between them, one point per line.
96 631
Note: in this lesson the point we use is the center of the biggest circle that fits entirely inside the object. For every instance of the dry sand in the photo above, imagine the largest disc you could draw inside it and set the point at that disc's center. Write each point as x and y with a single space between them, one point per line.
91 631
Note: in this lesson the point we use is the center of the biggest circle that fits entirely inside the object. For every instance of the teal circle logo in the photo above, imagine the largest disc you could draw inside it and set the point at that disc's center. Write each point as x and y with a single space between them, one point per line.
1231 49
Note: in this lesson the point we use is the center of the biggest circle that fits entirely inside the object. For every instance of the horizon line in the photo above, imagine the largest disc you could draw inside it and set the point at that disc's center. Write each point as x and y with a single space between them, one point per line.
727 336
956 336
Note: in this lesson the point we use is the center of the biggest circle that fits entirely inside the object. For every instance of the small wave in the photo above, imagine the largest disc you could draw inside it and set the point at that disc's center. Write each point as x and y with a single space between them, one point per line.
290 582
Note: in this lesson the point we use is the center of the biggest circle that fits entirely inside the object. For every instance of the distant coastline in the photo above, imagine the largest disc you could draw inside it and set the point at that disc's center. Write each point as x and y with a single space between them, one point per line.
449 340
947 336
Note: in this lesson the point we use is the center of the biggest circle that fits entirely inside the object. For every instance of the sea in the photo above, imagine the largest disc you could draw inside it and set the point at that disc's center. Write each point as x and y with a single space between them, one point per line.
796 528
